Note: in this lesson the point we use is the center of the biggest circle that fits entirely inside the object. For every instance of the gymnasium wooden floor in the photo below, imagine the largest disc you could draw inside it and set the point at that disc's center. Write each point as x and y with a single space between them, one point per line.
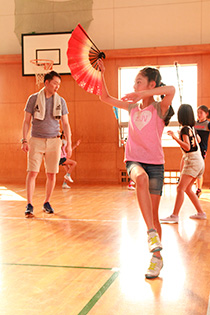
91 256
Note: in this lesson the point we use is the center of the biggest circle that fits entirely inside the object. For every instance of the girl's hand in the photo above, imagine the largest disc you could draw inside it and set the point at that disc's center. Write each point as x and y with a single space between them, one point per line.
170 133
78 142
133 97
101 65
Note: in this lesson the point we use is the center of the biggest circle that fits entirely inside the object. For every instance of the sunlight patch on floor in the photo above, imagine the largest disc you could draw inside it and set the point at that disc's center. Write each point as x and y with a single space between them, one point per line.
6 194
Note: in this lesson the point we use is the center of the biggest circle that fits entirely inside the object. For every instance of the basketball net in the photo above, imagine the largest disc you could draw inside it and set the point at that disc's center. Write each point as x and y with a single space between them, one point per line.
41 67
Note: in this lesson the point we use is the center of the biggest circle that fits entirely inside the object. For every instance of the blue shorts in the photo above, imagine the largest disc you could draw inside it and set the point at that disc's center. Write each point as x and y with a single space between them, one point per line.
155 173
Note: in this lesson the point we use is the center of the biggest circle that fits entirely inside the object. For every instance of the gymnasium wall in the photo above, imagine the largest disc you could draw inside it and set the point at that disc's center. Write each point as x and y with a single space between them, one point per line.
113 24
99 157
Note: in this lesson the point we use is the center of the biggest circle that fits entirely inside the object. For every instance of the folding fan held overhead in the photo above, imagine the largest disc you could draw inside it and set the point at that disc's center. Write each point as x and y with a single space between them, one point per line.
82 56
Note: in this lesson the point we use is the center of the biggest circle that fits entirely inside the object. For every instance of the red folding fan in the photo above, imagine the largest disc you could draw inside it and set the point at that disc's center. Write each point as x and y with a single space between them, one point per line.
82 56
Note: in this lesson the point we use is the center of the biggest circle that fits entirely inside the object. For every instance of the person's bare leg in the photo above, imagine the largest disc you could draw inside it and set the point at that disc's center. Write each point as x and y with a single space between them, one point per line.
66 167
50 184
199 183
70 165
155 207
139 176
30 185
194 199
185 180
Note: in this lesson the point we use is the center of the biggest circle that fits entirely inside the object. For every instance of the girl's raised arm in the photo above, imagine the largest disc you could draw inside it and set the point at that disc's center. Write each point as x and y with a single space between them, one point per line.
105 97
167 91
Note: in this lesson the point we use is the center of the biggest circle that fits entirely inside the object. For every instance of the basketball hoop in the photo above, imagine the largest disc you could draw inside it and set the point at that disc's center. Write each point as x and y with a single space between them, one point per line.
41 67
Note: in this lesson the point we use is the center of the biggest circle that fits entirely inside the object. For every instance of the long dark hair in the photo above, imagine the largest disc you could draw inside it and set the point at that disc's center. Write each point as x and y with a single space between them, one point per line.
186 115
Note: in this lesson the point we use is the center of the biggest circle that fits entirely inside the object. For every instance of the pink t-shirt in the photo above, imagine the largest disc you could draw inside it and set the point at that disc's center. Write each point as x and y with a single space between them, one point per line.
144 134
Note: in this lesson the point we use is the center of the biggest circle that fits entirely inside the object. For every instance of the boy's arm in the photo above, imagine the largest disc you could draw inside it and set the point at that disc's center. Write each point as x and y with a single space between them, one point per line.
67 132
25 130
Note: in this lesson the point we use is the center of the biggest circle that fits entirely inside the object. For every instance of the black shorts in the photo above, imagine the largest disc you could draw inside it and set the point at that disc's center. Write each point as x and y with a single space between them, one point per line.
62 160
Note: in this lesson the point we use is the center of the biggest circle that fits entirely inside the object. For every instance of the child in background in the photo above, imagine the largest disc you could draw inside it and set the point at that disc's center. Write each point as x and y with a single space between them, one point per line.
143 152
193 164
68 164
202 126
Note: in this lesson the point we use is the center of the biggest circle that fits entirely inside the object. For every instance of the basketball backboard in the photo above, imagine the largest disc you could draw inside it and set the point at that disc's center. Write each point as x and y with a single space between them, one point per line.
51 46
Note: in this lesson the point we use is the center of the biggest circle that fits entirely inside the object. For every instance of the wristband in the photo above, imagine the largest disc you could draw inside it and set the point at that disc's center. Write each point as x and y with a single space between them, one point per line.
23 140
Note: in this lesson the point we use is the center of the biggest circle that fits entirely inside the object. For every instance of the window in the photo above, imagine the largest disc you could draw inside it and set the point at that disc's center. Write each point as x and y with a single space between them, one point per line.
186 92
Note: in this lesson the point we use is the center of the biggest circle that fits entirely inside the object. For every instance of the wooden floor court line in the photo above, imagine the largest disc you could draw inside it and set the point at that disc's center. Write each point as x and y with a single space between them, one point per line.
99 294
60 266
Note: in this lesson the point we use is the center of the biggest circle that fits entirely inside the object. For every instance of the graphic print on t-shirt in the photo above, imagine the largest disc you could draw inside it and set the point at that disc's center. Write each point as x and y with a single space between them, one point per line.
142 118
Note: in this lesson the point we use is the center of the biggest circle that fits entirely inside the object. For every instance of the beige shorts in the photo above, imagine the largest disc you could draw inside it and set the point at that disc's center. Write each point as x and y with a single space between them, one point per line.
193 164
49 149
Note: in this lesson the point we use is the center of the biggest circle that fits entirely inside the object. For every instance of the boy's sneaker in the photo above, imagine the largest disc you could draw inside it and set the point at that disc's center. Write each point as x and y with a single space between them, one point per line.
65 185
68 177
199 216
47 208
171 219
198 192
29 211
154 241
156 264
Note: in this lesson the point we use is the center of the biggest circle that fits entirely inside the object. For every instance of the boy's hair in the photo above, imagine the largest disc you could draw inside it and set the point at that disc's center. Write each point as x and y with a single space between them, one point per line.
50 75
205 109
152 74
186 115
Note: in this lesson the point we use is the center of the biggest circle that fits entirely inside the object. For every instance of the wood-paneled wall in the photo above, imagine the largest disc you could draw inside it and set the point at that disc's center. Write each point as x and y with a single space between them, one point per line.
99 157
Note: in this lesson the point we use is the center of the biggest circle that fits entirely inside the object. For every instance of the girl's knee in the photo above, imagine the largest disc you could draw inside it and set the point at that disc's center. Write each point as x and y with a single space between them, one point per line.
179 188
142 179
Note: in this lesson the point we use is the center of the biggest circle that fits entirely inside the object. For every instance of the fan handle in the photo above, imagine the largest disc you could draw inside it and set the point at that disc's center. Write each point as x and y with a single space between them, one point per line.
101 55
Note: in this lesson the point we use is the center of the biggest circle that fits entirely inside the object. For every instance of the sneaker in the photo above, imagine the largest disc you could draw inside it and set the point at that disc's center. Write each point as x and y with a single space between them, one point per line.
47 208
198 192
154 241
131 185
156 264
172 218
68 177
65 185
199 216
29 211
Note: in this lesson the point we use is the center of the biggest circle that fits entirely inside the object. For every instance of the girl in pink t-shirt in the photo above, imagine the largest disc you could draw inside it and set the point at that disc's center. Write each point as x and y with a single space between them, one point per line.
143 153
67 163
